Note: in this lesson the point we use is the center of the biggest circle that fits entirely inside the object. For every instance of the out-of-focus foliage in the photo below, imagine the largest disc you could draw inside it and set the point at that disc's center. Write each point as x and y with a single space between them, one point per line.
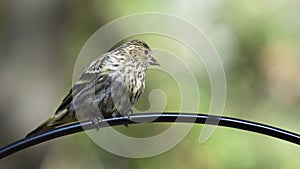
258 43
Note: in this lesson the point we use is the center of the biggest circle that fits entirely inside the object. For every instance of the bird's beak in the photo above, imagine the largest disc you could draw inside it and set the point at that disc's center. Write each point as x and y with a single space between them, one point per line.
153 61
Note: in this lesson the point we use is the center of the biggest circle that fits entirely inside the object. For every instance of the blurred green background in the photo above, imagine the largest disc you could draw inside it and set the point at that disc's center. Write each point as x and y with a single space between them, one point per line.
258 43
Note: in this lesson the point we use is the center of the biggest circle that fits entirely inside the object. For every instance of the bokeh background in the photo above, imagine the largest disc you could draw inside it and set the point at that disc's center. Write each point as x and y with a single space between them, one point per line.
258 43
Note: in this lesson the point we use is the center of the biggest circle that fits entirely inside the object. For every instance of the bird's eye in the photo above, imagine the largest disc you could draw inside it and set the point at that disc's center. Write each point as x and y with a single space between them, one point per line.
146 52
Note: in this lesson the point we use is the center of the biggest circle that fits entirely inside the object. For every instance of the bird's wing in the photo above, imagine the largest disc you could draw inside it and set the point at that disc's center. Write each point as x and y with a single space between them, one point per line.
88 78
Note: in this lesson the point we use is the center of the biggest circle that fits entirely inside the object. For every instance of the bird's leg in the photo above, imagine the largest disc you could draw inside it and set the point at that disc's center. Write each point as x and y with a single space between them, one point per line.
129 113
128 117
96 122
96 119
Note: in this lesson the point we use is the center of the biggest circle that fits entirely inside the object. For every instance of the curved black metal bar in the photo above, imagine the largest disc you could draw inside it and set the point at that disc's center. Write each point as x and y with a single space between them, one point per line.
159 117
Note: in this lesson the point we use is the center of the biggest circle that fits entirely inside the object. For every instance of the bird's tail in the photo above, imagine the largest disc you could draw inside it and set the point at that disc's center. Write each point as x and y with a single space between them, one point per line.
59 119
42 128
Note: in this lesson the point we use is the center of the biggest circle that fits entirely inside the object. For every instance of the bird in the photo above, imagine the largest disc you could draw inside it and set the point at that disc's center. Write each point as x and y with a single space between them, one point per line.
108 87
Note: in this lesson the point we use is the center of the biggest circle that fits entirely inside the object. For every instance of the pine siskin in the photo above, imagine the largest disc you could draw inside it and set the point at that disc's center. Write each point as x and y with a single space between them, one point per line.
110 86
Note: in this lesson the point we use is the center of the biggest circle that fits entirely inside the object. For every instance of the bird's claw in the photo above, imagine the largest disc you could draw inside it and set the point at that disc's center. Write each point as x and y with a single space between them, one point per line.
96 123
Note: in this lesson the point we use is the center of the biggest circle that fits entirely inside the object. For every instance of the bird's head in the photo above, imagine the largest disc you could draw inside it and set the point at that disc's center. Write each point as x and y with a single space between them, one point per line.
140 51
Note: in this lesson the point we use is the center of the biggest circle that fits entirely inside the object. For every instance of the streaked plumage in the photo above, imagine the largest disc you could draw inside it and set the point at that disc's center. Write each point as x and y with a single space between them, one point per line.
110 86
